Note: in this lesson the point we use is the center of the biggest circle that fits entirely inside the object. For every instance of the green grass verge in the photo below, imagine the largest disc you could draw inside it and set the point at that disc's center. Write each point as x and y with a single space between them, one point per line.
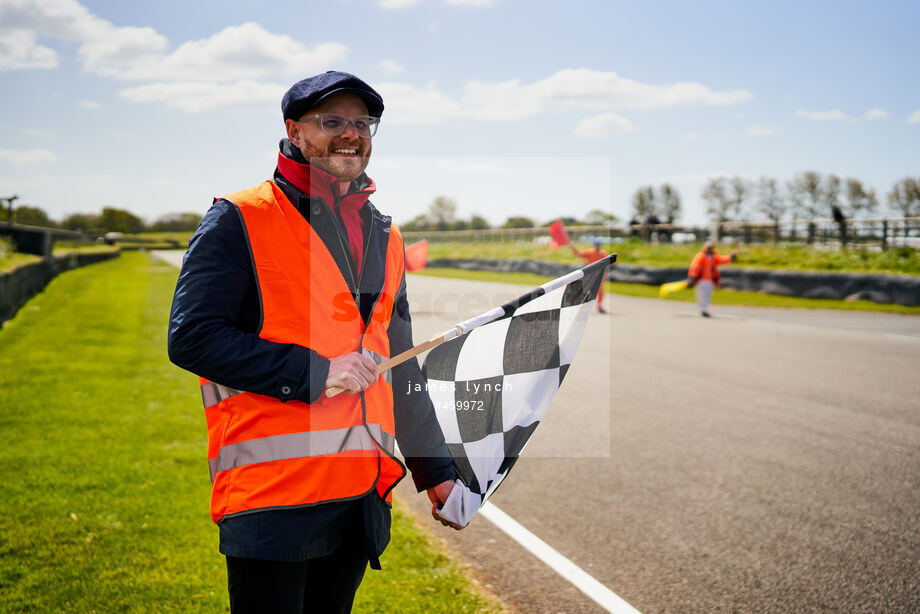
418 576
719 297
179 236
105 486
797 258
82 248
10 261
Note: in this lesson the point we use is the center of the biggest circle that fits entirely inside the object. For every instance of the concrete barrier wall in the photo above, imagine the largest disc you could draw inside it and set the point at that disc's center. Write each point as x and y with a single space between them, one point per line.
898 289
22 283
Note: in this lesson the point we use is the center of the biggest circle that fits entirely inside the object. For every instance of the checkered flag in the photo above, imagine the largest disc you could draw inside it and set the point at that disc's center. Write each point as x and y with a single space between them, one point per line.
491 387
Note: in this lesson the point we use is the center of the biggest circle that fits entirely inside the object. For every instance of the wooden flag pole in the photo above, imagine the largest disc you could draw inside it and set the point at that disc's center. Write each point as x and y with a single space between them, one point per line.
467 325
410 353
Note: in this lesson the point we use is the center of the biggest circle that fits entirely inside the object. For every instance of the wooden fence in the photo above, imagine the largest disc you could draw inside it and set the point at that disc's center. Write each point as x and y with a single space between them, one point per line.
878 233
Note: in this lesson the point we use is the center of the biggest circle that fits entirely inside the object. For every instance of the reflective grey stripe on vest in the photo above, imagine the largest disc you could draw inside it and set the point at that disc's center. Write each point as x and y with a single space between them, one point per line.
212 394
298 445
378 359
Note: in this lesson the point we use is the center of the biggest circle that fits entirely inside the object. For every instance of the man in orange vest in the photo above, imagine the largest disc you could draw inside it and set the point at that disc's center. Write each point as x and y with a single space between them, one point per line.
290 288
704 274
593 255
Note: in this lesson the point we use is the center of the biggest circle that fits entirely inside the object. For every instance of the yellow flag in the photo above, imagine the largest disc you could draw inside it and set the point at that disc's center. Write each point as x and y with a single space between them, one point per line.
674 286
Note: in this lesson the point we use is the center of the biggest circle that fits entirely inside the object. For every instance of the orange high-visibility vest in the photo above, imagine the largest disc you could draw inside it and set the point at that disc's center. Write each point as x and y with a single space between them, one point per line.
268 454
705 267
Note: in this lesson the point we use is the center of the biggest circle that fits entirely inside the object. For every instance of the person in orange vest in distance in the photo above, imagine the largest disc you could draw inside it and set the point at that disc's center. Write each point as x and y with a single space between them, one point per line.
290 288
593 255
704 274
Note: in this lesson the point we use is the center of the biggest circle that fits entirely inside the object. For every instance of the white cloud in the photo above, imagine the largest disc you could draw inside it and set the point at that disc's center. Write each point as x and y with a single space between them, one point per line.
377 162
28 156
602 126
566 90
390 67
877 114
757 130
19 49
198 96
409 104
914 117
101 44
393 5
589 90
228 63
470 2
90 104
236 53
823 116
469 168
247 51
691 136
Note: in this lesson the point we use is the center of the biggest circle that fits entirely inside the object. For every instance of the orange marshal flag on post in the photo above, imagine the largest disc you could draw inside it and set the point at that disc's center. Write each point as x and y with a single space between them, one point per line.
558 233
417 256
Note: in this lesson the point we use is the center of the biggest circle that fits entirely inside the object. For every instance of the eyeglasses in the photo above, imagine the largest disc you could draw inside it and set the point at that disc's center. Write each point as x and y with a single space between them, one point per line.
334 125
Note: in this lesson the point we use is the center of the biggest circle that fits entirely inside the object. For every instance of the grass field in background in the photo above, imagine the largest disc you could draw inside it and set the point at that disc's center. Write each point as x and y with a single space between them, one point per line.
104 471
10 260
903 260
719 297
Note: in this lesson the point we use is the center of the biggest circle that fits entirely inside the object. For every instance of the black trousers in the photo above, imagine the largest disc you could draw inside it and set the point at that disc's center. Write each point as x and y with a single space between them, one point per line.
324 585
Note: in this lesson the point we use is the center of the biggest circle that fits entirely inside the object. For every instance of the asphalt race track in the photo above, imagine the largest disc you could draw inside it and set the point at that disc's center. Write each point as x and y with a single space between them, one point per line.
761 460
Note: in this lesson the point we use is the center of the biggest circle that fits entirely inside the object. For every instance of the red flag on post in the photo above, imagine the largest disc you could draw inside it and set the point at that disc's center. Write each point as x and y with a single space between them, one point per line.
417 256
558 233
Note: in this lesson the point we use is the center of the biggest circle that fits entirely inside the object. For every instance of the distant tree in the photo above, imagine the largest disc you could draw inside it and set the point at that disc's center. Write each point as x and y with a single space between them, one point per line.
566 221
477 222
176 222
859 200
643 203
460 225
80 221
807 195
830 194
720 201
669 201
30 216
120 220
769 201
738 193
419 222
442 212
795 198
599 217
904 197
518 222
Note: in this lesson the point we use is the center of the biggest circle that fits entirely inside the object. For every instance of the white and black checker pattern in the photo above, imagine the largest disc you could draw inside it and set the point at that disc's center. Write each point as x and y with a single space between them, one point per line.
491 387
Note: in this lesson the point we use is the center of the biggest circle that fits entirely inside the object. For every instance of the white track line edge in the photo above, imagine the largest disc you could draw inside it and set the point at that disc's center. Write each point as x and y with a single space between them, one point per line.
602 595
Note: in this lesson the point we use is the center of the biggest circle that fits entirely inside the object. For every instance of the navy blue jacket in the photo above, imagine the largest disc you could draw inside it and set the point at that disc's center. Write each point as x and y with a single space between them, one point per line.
216 314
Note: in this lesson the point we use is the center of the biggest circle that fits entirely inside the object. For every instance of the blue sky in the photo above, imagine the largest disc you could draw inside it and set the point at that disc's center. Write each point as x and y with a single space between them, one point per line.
510 107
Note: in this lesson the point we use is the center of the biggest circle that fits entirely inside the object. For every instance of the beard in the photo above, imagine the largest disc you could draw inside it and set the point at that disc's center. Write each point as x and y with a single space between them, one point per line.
342 167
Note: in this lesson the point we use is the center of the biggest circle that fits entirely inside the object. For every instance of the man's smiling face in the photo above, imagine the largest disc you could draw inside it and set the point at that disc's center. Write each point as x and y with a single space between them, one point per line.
345 156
